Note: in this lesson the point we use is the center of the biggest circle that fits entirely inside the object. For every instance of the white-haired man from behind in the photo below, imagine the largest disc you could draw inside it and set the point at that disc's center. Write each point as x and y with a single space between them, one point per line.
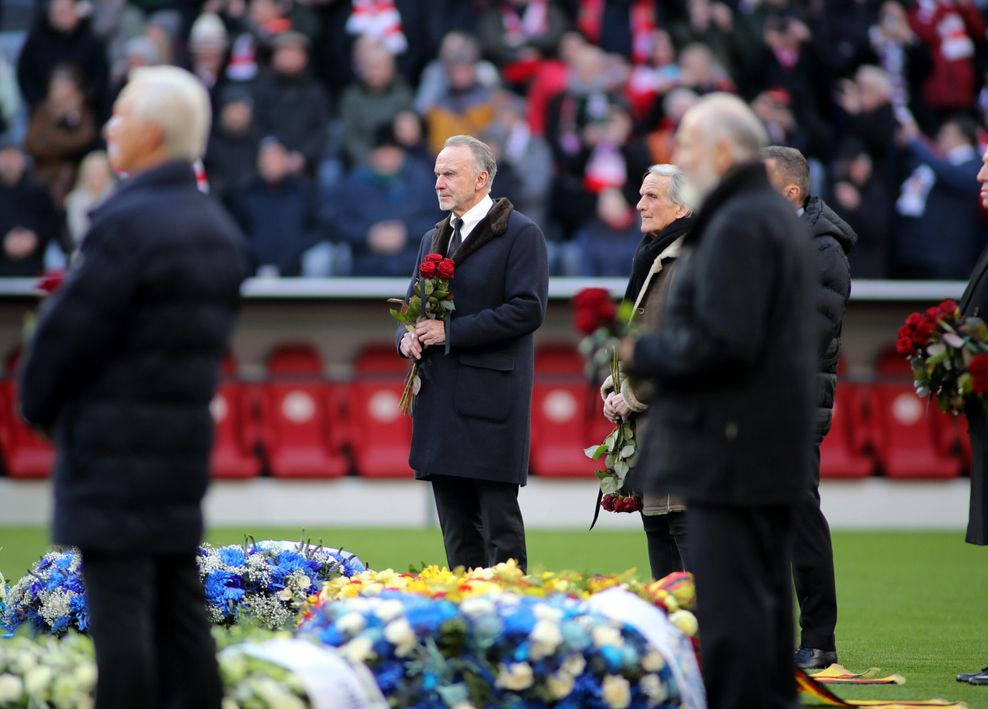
120 372
731 421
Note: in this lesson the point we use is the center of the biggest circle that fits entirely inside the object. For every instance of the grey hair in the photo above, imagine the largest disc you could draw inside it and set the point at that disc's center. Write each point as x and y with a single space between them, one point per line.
176 100
725 116
483 156
678 191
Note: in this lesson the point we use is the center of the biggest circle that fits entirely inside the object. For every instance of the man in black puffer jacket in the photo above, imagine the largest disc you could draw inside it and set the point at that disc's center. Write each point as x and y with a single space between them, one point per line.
813 555
121 370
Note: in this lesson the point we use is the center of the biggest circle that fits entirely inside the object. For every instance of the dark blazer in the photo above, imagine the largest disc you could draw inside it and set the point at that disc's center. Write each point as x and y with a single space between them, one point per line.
732 419
124 362
833 239
975 302
472 417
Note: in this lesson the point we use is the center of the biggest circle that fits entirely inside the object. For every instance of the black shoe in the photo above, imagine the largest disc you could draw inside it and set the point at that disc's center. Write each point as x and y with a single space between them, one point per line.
810 658
974 677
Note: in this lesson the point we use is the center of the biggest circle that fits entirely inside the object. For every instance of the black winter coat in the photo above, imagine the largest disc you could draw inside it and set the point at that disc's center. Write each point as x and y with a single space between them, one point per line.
472 417
731 422
833 239
125 360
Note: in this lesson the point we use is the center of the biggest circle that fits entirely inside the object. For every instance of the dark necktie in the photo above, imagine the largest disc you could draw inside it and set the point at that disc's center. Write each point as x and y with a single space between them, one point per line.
454 243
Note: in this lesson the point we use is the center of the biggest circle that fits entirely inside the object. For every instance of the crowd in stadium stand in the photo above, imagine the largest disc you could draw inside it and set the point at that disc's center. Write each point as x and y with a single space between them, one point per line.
328 115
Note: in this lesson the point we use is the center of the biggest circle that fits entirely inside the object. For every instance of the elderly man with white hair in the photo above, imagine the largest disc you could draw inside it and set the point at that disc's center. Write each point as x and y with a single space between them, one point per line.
120 372
731 421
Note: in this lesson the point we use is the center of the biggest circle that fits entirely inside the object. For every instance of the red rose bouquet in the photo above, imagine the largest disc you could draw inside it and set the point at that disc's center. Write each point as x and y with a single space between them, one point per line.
948 354
431 299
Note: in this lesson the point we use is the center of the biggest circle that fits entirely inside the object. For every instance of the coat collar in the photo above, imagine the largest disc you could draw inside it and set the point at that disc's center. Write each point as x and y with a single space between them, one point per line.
489 228
171 172
668 253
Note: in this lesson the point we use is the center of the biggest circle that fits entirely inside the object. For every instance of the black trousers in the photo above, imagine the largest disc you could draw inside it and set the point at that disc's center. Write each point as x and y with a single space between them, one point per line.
480 520
148 622
666 537
977 521
813 569
740 558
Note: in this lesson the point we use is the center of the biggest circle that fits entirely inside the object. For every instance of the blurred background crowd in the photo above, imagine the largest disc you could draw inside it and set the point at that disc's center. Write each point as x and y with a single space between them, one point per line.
328 115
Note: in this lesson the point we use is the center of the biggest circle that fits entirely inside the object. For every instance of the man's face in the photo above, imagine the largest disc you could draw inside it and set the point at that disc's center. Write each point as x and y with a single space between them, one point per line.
694 156
457 180
655 207
63 15
11 165
126 134
983 180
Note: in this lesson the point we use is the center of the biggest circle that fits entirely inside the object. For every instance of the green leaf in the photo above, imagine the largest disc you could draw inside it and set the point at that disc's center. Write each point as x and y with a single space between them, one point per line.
621 468
430 286
448 305
611 485
603 474
627 451
594 452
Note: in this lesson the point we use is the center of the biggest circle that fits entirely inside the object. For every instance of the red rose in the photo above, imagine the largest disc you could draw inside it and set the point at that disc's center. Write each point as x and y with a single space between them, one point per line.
914 319
593 308
435 258
904 331
904 346
948 307
445 268
427 269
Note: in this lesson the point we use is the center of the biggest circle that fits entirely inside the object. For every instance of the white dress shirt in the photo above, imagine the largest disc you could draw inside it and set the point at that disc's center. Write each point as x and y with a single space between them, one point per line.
473 216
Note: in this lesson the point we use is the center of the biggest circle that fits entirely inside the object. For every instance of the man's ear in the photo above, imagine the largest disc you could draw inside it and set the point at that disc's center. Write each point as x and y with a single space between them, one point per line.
483 177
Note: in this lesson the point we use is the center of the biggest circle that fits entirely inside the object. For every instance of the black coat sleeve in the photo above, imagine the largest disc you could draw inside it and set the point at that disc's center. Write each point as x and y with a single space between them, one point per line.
831 296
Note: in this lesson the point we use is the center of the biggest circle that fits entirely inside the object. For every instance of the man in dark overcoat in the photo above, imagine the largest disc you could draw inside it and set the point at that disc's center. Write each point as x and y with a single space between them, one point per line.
974 302
813 553
120 371
732 415
472 416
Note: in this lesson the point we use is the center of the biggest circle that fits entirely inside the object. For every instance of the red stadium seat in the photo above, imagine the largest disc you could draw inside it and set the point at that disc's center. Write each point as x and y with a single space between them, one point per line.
909 432
25 454
565 412
381 435
235 434
845 450
298 416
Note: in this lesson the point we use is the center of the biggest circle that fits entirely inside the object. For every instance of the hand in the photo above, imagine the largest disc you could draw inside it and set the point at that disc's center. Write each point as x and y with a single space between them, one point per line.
908 130
431 332
616 408
849 97
19 243
722 16
847 195
409 346
387 237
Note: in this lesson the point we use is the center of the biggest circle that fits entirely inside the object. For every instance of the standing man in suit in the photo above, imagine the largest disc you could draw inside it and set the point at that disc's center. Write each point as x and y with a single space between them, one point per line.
472 417
975 302
121 369
731 421
813 554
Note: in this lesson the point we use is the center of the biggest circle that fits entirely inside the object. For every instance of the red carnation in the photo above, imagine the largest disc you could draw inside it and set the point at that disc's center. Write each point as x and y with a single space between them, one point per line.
445 268
435 258
904 346
427 269
948 307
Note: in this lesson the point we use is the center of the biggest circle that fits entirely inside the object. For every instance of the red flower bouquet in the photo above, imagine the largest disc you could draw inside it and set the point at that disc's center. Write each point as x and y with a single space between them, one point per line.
431 300
948 354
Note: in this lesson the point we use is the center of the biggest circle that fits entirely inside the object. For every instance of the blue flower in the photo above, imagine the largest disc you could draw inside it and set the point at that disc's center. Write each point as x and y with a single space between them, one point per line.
232 556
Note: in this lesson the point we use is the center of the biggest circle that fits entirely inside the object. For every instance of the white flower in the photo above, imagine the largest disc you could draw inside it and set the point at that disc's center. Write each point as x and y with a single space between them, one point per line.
360 649
604 635
351 623
685 621
653 661
654 688
515 676
559 684
400 634
616 691
85 676
298 581
229 703
543 611
476 606
574 665
545 637
11 689
36 681
389 609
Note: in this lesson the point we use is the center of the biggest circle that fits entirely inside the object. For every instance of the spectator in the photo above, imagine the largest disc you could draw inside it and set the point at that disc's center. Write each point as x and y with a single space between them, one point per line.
622 27
27 216
95 182
61 36
662 140
649 82
291 105
231 155
467 105
277 211
774 108
377 96
63 128
435 81
937 230
410 133
859 196
606 243
164 30
383 207
10 97
712 25
871 118
116 23
517 35
138 52
552 79
208 43
700 71
952 31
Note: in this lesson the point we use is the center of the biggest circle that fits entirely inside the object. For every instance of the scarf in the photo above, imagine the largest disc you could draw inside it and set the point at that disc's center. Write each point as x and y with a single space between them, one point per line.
642 19
379 19
648 250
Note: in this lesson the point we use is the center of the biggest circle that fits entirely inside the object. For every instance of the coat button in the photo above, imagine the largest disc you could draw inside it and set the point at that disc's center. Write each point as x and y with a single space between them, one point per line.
641 311
731 431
